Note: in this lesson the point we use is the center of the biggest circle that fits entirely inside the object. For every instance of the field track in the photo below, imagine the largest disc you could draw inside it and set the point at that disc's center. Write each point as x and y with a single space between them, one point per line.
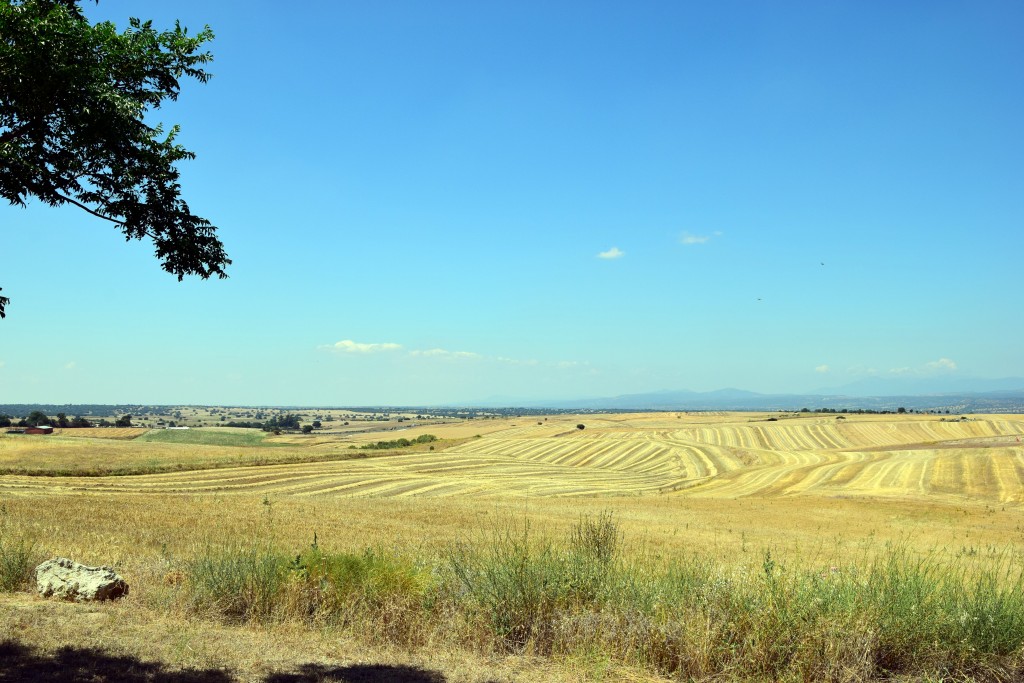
727 456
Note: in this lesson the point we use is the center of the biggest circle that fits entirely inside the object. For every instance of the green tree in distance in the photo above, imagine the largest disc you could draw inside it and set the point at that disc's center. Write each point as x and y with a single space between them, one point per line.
73 98
37 418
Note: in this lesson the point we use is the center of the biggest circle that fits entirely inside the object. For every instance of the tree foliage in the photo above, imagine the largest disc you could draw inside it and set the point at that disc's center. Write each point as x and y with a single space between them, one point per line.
279 422
399 443
73 102
37 418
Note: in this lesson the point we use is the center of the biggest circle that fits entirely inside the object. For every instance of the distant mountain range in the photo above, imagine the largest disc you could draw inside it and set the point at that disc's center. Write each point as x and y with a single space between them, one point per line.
953 394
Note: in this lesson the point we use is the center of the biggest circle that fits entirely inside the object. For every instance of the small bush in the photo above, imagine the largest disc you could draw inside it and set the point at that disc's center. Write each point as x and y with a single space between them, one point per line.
516 585
522 586
18 560
240 584
259 585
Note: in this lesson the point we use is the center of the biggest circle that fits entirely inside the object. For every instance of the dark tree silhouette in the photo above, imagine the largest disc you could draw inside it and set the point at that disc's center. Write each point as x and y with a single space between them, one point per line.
73 102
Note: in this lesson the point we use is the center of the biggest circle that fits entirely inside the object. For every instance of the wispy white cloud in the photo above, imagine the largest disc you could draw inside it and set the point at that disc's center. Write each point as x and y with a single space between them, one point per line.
429 352
822 369
442 353
517 361
70 365
690 239
349 346
941 365
2 363
612 253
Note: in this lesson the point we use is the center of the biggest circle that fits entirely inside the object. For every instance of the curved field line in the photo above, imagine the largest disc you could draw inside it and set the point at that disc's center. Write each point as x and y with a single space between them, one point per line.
925 458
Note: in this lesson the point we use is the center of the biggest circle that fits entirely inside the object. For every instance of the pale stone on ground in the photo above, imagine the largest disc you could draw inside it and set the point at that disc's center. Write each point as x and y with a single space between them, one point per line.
69 580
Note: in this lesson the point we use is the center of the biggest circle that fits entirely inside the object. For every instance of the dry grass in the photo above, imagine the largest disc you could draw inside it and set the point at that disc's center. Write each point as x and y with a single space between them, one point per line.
62 457
116 528
706 456
151 547
812 491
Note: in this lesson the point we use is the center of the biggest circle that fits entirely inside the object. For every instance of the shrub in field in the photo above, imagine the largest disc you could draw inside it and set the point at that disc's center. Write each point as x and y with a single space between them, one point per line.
242 584
380 590
383 591
929 614
591 561
522 587
515 584
18 559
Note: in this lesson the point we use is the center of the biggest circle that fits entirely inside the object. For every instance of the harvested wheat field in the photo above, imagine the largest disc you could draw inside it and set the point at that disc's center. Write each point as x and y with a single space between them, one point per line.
773 509
649 454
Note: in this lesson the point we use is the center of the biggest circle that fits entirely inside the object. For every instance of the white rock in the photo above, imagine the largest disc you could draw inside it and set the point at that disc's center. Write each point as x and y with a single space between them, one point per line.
63 578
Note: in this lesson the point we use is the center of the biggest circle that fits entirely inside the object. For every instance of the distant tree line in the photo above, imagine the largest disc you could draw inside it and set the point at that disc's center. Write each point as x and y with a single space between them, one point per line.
399 443
280 423
868 411
277 423
38 418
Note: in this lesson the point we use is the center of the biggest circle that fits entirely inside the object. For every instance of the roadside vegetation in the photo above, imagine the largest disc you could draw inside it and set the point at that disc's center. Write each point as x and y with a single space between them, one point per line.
510 591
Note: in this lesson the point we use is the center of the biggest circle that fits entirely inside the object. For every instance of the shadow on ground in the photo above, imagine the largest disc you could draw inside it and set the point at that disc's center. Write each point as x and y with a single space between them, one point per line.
360 673
80 665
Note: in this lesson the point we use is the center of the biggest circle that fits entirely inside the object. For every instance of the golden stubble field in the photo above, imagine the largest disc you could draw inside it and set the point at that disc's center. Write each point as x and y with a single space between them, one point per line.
677 480
906 458
811 489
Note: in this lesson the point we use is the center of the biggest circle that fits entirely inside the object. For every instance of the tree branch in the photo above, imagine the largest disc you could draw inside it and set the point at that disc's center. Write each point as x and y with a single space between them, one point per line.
82 206
105 217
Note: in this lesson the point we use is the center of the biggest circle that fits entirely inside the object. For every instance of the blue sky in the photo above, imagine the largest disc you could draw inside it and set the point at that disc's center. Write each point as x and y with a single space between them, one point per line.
446 202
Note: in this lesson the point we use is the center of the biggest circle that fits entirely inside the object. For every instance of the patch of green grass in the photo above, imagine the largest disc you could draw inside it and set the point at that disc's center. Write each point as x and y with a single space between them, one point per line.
209 436
380 591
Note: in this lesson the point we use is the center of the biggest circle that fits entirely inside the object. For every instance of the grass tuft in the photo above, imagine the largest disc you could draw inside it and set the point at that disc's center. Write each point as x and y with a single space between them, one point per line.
18 559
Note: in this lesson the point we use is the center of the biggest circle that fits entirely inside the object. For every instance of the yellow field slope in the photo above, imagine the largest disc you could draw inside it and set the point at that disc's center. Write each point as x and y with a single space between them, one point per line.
733 455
